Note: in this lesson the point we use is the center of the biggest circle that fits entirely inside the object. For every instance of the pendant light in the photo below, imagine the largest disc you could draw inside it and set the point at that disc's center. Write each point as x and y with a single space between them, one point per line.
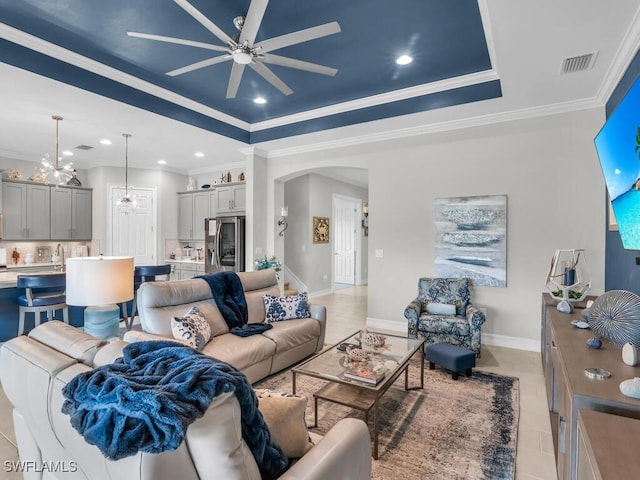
127 202
54 173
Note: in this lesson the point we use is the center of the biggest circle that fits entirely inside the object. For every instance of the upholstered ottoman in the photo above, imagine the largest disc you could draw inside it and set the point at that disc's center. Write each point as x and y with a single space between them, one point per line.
451 357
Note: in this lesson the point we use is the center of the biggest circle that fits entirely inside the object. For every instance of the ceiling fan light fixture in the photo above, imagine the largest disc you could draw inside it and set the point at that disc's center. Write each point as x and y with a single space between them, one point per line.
404 60
242 55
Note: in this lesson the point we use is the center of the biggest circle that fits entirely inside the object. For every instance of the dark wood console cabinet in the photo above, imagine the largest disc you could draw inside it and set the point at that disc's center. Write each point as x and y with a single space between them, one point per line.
565 356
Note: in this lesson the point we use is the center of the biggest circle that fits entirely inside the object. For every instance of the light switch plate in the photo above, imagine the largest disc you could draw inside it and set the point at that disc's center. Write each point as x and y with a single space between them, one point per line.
379 253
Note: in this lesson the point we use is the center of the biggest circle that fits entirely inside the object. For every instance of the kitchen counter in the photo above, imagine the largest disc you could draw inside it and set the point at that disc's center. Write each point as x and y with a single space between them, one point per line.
9 277
194 262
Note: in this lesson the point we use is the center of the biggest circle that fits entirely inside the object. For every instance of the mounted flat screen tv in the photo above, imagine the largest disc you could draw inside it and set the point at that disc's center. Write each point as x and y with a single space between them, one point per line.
618 147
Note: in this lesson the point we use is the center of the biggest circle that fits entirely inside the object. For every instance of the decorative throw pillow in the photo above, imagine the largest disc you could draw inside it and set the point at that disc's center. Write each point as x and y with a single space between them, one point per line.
441 308
284 414
192 328
286 308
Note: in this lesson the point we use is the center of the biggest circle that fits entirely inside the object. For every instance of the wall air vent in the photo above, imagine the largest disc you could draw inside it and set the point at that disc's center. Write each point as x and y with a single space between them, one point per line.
579 63
84 147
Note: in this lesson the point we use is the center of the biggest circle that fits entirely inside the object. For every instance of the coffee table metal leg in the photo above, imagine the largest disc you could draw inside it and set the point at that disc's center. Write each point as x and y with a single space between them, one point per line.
375 430
315 411
293 388
406 376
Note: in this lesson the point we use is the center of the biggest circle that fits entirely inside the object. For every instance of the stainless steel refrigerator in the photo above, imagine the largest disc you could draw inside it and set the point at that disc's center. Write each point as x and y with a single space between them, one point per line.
224 241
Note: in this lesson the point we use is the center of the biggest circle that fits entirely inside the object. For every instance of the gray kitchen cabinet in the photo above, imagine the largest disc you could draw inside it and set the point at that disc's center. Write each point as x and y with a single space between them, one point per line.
231 199
27 213
70 213
185 270
193 208
35 211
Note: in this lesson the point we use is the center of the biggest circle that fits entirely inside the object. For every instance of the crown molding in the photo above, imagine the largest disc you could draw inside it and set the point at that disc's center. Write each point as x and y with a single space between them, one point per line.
381 99
217 168
47 48
623 57
439 127
254 151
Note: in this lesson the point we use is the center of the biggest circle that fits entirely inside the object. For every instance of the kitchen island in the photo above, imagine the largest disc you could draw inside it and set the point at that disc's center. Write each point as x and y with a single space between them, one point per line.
9 294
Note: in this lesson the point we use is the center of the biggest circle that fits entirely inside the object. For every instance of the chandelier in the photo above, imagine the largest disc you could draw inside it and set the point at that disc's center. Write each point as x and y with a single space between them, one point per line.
127 202
53 172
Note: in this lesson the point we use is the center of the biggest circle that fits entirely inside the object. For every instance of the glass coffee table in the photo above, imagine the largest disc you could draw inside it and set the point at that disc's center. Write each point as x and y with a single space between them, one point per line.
388 361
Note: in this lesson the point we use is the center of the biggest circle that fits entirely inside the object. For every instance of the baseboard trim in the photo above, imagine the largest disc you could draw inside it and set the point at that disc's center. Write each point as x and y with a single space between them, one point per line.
320 293
511 342
381 324
487 338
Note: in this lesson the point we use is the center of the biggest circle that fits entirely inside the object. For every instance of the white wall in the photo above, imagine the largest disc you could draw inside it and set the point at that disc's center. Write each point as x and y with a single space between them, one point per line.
308 196
546 166
166 183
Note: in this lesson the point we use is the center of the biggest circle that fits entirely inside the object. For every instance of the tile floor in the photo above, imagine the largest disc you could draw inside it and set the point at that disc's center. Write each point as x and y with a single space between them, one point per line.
347 311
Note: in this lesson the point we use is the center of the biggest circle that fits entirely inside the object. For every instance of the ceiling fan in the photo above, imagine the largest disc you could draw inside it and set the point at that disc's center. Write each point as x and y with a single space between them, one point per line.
242 49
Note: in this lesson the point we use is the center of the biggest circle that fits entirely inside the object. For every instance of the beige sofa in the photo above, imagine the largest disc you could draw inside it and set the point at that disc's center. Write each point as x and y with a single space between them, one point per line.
35 368
256 356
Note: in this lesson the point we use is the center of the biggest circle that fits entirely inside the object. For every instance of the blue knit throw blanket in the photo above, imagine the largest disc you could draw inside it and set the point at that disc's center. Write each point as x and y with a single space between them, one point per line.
228 293
145 401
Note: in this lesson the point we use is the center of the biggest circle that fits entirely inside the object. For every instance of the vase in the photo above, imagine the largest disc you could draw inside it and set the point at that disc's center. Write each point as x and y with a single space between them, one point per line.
629 354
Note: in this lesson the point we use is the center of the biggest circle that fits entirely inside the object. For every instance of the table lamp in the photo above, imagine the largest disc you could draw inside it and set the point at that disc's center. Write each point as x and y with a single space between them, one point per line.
100 284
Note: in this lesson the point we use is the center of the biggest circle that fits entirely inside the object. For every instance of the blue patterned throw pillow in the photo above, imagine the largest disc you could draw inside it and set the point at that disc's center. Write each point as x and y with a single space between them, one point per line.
286 308
192 328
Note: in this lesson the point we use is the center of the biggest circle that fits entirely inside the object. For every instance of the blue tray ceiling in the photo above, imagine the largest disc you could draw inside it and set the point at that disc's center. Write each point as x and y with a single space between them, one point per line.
445 38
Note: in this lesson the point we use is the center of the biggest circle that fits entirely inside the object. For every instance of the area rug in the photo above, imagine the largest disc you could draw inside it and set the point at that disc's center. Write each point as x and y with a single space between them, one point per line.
464 429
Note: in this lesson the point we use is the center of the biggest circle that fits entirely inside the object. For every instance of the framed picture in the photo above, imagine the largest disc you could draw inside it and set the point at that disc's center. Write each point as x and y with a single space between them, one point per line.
471 239
320 230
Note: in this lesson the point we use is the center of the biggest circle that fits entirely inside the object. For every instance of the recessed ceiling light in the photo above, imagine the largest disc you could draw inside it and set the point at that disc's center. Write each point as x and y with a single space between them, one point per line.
105 141
404 60
199 154
67 153
260 100
162 162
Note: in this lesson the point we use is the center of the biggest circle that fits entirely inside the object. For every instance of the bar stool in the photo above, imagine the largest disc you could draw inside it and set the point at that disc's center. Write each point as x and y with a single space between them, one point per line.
141 274
42 293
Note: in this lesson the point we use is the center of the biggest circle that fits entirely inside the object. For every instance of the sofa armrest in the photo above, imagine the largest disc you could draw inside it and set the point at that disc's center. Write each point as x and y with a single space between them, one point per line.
319 312
475 316
138 336
344 452
412 314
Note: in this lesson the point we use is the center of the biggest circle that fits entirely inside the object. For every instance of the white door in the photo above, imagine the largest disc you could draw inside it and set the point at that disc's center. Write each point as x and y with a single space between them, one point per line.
344 239
133 233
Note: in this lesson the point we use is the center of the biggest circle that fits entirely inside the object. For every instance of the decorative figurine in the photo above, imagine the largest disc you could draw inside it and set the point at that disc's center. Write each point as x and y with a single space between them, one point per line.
74 179
594 342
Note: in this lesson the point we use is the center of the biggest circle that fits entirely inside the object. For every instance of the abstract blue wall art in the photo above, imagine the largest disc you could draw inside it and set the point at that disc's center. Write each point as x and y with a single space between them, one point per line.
471 239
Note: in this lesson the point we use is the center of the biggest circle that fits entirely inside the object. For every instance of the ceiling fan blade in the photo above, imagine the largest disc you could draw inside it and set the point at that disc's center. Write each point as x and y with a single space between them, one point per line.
201 64
299 64
178 41
298 37
234 79
204 21
252 21
270 77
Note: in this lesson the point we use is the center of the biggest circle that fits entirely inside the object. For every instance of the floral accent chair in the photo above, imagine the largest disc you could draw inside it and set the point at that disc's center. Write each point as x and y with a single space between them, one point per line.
443 313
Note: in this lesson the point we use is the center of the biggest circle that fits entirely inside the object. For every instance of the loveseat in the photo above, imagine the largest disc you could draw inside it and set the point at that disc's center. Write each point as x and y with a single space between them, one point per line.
35 368
256 356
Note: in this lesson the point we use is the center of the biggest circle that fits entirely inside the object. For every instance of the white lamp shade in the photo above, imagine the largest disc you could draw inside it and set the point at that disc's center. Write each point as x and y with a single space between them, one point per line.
99 280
